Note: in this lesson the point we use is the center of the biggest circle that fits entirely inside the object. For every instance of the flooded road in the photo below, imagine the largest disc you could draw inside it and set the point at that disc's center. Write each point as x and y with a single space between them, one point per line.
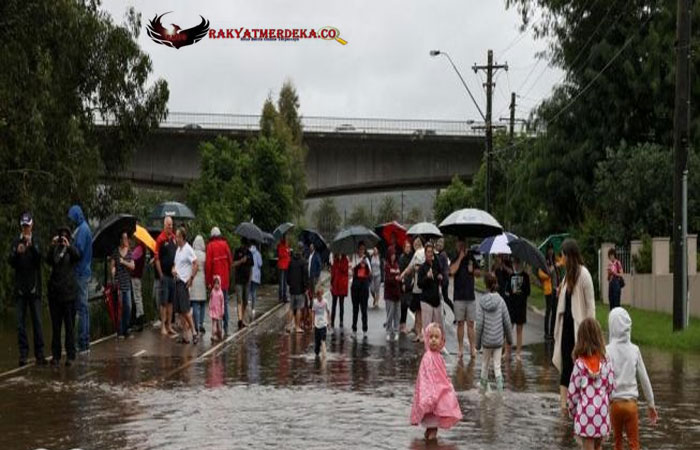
268 391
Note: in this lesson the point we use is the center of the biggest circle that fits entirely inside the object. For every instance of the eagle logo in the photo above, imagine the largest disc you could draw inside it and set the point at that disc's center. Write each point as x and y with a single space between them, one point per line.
176 37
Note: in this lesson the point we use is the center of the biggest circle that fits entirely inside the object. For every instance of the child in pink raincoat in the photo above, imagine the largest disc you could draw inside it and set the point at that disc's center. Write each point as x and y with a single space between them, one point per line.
434 400
592 382
216 309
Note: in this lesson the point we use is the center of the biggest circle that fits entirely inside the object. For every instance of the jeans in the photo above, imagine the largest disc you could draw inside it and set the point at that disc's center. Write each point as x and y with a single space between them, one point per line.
488 355
393 314
253 295
282 288
337 299
83 319
225 291
62 316
614 292
34 304
550 315
360 297
319 336
137 296
198 313
125 297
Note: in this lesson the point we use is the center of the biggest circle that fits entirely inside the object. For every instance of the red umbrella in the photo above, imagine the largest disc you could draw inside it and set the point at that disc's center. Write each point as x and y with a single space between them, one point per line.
114 306
386 230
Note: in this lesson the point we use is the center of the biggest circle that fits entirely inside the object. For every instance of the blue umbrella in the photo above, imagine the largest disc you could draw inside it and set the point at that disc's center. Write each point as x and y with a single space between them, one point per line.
498 244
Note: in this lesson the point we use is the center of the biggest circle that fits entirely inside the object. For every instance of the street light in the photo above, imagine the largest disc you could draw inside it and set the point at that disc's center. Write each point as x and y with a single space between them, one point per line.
434 53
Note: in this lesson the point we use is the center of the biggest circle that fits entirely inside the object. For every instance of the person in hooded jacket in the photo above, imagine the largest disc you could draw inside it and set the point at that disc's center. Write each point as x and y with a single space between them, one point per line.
198 291
219 261
62 257
628 365
493 328
340 280
82 240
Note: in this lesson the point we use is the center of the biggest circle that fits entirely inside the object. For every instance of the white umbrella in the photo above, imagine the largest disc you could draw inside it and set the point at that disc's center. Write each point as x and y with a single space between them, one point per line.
497 245
424 229
471 222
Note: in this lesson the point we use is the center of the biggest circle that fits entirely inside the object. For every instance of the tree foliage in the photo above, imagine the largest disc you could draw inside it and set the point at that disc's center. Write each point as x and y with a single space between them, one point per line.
327 218
388 210
360 215
456 196
600 165
65 64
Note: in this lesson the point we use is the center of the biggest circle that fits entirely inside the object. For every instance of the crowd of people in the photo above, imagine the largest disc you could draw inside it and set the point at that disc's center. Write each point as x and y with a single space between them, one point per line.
598 383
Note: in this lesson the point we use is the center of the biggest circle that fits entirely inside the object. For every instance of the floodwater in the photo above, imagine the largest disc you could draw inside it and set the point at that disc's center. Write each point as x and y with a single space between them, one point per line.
268 391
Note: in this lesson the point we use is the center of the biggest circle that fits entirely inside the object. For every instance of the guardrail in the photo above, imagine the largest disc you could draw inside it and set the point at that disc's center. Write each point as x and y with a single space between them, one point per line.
321 124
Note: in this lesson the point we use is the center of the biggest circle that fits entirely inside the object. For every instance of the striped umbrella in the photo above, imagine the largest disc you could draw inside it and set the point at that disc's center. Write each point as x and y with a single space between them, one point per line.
497 245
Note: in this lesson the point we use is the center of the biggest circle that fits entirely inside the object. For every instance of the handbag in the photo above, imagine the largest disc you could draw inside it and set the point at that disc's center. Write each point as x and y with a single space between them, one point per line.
622 282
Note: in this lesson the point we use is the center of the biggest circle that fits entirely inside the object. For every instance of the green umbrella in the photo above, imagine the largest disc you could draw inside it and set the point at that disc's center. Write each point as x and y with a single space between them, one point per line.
556 240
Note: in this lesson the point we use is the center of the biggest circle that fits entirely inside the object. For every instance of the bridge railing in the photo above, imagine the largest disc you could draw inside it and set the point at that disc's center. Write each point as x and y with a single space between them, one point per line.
320 124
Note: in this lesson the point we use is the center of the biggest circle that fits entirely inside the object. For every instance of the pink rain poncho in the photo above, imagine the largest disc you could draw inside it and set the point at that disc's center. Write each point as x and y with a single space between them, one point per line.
434 400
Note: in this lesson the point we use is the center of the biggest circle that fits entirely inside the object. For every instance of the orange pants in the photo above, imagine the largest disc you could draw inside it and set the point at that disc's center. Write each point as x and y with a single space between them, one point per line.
624 418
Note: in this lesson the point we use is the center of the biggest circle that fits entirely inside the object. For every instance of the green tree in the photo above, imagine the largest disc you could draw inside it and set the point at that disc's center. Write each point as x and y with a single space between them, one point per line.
388 210
360 215
65 64
327 218
456 196
414 216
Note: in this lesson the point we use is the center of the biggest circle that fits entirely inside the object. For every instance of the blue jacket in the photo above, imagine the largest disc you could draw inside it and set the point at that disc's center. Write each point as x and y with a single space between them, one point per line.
82 240
315 270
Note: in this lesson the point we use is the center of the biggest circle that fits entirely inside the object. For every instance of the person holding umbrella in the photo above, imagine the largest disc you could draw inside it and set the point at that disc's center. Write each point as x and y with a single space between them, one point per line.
243 263
25 258
376 284
441 255
122 263
361 276
62 257
464 269
164 262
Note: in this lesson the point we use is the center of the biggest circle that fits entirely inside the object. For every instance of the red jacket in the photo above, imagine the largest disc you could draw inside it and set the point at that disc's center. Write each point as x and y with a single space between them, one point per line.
218 262
339 276
283 256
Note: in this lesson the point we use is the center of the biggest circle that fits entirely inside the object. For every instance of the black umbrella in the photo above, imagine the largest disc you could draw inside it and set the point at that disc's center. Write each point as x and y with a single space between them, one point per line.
250 231
176 210
106 237
309 236
347 240
527 252
471 222
282 230
268 239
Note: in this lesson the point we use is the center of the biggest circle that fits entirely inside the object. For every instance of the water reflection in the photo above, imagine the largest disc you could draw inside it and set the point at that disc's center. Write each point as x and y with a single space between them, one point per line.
269 390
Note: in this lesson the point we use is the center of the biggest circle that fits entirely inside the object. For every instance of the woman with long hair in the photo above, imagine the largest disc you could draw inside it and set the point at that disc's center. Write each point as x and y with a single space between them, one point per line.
575 304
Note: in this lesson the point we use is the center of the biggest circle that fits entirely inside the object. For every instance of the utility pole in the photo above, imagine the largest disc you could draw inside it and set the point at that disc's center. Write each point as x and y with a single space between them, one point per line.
512 116
681 142
490 68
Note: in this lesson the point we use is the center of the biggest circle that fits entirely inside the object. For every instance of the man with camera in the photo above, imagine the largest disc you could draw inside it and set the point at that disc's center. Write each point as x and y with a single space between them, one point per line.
62 257
25 258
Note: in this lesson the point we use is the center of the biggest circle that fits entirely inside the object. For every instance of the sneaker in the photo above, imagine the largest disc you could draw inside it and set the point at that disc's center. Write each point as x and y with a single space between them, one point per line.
156 324
41 361
364 335
252 314
84 351
55 362
388 337
22 362
396 337
354 335
195 339
121 337
202 330
69 363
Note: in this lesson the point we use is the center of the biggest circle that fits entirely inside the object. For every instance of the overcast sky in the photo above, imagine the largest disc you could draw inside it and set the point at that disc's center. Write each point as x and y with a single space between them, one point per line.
383 71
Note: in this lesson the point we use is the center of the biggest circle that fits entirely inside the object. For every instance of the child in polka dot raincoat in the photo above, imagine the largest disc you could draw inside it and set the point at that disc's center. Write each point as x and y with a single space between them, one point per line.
591 384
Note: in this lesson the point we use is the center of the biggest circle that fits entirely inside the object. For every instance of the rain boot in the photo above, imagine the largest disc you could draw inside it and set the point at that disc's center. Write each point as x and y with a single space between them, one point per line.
499 384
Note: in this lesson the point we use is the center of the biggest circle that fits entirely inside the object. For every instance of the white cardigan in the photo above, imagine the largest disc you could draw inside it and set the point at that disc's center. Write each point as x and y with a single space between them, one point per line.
582 307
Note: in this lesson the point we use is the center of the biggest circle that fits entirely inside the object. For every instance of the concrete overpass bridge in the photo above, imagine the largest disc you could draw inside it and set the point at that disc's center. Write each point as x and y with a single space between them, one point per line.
346 155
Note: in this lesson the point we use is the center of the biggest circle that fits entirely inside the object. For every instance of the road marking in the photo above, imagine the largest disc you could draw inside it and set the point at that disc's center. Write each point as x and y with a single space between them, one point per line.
139 353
